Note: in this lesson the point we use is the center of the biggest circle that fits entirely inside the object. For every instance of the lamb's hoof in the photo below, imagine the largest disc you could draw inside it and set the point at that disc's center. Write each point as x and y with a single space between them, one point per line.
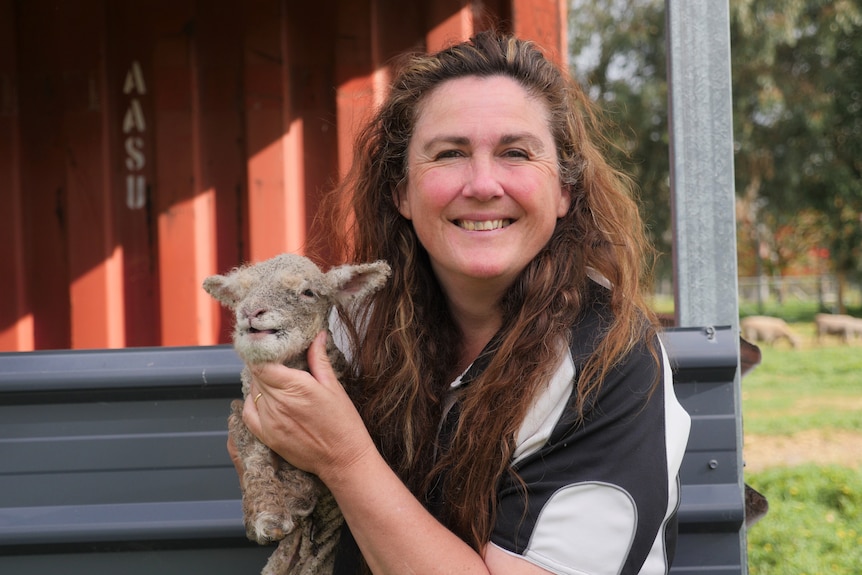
268 527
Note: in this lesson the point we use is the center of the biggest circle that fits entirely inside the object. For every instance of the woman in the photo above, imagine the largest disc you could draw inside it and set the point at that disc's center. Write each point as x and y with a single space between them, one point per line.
514 411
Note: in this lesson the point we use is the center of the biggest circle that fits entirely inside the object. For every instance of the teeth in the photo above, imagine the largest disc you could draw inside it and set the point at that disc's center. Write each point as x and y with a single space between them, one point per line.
483 226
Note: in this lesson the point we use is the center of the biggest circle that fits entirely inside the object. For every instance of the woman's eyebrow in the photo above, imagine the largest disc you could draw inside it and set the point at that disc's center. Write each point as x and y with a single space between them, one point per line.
526 137
505 140
451 140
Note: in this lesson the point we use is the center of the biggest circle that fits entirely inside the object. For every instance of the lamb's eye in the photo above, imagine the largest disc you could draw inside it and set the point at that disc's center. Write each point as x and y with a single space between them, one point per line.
308 293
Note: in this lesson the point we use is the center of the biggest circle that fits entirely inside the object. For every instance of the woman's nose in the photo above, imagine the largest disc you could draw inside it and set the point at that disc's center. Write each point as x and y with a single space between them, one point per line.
483 181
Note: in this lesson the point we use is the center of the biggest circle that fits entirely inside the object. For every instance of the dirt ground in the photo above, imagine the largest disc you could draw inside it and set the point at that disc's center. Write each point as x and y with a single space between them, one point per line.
812 446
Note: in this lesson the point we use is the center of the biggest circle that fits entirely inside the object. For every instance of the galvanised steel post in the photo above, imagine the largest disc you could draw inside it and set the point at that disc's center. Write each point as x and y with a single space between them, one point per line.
702 187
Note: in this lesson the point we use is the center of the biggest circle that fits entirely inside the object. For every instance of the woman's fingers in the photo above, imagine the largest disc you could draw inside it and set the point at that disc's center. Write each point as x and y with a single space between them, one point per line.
250 414
319 363
305 417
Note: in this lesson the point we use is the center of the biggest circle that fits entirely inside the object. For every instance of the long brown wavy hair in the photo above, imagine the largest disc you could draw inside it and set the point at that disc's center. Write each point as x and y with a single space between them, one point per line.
409 340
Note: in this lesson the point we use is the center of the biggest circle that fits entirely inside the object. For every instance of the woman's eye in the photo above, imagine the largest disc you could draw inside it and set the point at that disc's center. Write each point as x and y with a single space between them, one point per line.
446 154
516 153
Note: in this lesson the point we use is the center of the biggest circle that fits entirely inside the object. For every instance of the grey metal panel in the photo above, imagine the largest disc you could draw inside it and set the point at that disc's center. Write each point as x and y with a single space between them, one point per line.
711 509
707 398
702 354
110 450
122 470
710 432
121 522
109 368
103 486
141 464
210 560
708 553
115 453
711 467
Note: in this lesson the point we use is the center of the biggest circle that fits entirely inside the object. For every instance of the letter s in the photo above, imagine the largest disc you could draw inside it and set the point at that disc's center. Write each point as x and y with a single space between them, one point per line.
135 159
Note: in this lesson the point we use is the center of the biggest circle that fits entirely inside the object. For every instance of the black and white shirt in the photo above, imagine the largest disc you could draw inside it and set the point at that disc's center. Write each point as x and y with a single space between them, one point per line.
602 492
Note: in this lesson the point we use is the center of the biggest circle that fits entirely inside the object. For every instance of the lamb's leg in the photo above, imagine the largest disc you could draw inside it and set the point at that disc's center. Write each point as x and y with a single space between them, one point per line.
262 497
310 549
299 489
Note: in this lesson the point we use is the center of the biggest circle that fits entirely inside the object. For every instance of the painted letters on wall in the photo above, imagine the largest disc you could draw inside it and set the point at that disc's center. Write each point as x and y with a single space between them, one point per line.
134 130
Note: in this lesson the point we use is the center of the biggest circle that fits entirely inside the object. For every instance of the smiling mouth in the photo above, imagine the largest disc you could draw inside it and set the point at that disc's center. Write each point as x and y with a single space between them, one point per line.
483 226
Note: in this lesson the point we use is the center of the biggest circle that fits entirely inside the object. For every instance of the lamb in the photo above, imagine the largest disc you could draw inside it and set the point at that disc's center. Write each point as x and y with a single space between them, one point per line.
767 329
280 305
844 326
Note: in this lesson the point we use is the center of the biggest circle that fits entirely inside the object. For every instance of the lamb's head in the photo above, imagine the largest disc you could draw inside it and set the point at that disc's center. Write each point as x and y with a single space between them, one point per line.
280 304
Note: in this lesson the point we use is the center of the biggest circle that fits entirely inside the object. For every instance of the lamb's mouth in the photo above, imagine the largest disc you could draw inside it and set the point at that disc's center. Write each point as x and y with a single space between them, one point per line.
255 331
483 226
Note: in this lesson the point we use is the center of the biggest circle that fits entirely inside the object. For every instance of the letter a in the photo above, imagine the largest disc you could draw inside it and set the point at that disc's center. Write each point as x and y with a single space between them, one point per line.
134 80
134 118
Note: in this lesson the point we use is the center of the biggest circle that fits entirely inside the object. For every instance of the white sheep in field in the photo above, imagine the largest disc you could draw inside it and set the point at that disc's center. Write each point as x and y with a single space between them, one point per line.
280 305
844 326
767 329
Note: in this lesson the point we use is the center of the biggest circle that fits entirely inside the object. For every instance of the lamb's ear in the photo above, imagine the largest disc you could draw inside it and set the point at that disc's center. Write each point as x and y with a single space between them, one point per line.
222 289
351 282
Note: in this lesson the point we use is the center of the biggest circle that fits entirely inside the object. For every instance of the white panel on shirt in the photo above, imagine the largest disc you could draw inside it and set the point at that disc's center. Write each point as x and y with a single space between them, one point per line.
546 410
677 428
572 510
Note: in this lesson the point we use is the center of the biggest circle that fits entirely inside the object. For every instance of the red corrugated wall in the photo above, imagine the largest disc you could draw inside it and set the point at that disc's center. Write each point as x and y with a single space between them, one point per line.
146 144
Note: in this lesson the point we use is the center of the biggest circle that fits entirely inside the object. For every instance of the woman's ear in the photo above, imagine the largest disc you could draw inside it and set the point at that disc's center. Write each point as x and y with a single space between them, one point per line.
565 201
399 196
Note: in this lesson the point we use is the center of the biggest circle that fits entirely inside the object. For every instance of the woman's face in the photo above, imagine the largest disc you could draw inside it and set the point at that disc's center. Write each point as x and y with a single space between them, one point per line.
483 190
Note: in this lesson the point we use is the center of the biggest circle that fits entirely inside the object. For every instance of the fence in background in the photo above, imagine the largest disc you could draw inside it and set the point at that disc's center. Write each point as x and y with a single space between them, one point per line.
822 289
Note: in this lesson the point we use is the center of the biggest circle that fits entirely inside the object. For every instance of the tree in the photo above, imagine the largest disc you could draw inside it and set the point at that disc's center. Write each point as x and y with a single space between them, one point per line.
797 93
618 53
797 77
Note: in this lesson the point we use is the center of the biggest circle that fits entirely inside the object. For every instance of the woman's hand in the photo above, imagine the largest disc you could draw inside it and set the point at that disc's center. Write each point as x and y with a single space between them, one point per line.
307 418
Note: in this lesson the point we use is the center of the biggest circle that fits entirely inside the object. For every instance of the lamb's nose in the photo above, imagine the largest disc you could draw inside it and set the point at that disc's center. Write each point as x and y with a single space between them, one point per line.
252 313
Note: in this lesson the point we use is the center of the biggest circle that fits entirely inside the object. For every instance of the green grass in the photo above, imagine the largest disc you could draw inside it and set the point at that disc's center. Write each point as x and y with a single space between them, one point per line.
817 386
814 524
